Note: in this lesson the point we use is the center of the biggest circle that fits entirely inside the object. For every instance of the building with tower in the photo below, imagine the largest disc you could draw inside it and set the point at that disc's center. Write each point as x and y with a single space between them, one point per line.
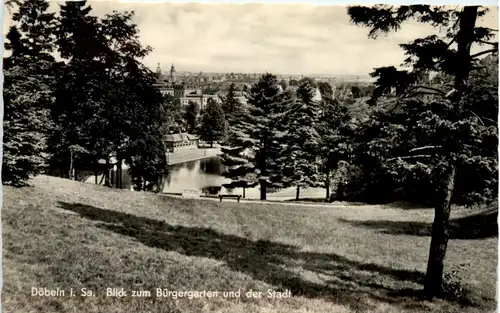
173 74
186 93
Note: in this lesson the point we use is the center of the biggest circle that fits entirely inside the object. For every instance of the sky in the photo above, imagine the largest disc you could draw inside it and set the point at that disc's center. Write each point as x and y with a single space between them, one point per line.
277 38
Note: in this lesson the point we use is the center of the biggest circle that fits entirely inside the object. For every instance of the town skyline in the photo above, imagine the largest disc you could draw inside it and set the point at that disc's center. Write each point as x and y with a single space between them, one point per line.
165 68
284 39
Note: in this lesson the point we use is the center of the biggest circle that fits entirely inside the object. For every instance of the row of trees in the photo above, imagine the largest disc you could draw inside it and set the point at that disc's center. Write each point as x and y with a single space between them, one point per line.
95 103
283 138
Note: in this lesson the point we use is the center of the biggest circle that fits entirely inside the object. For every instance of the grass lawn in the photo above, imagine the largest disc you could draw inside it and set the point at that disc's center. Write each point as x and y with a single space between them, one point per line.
63 234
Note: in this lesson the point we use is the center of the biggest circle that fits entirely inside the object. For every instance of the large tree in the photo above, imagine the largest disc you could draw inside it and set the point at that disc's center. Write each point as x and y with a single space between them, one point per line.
261 129
252 148
82 86
28 91
237 165
299 159
107 103
455 132
334 126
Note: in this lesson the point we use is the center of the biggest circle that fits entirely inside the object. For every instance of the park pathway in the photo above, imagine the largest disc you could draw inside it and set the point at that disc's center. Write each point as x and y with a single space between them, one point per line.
271 202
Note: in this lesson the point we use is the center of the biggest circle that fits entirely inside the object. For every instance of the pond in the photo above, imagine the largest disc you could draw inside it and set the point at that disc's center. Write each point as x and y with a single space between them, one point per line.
202 175
205 177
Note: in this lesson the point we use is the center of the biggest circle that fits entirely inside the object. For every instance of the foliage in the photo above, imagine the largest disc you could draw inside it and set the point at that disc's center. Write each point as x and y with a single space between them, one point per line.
413 123
301 140
325 89
28 96
32 36
308 80
27 100
106 100
213 123
432 131
453 287
145 127
191 115
82 87
283 84
254 140
334 127
231 106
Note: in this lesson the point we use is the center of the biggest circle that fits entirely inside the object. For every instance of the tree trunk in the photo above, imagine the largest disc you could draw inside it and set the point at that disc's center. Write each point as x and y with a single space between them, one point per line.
440 234
244 192
71 175
211 143
95 173
107 172
433 283
297 194
340 191
465 38
263 189
327 187
119 174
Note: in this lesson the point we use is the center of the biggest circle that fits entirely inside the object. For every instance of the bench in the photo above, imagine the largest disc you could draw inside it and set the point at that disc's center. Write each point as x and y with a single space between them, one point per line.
229 196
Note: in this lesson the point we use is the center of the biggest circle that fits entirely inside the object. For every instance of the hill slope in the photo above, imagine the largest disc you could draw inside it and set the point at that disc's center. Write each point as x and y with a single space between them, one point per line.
64 234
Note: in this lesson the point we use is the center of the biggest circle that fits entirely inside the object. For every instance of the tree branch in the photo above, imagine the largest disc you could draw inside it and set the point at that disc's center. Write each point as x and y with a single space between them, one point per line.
483 52
476 116
494 44
491 29
421 93
489 119
410 157
425 147
426 87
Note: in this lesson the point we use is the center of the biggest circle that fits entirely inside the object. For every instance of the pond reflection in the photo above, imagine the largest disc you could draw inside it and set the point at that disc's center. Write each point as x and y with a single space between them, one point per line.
202 175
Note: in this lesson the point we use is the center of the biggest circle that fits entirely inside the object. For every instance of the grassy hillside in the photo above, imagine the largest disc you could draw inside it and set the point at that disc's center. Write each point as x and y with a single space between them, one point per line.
64 234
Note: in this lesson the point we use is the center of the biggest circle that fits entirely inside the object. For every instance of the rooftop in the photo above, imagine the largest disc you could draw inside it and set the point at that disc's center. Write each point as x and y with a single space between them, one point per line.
179 137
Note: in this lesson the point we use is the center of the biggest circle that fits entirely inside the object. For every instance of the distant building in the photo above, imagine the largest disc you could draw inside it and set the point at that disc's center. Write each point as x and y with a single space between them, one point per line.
180 141
170 85
201 99
173 74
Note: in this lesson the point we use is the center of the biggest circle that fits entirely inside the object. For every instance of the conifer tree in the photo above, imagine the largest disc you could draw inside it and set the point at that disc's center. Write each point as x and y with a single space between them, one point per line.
454 133
237 165
301 141
335 125
231 106
259 132
28 92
